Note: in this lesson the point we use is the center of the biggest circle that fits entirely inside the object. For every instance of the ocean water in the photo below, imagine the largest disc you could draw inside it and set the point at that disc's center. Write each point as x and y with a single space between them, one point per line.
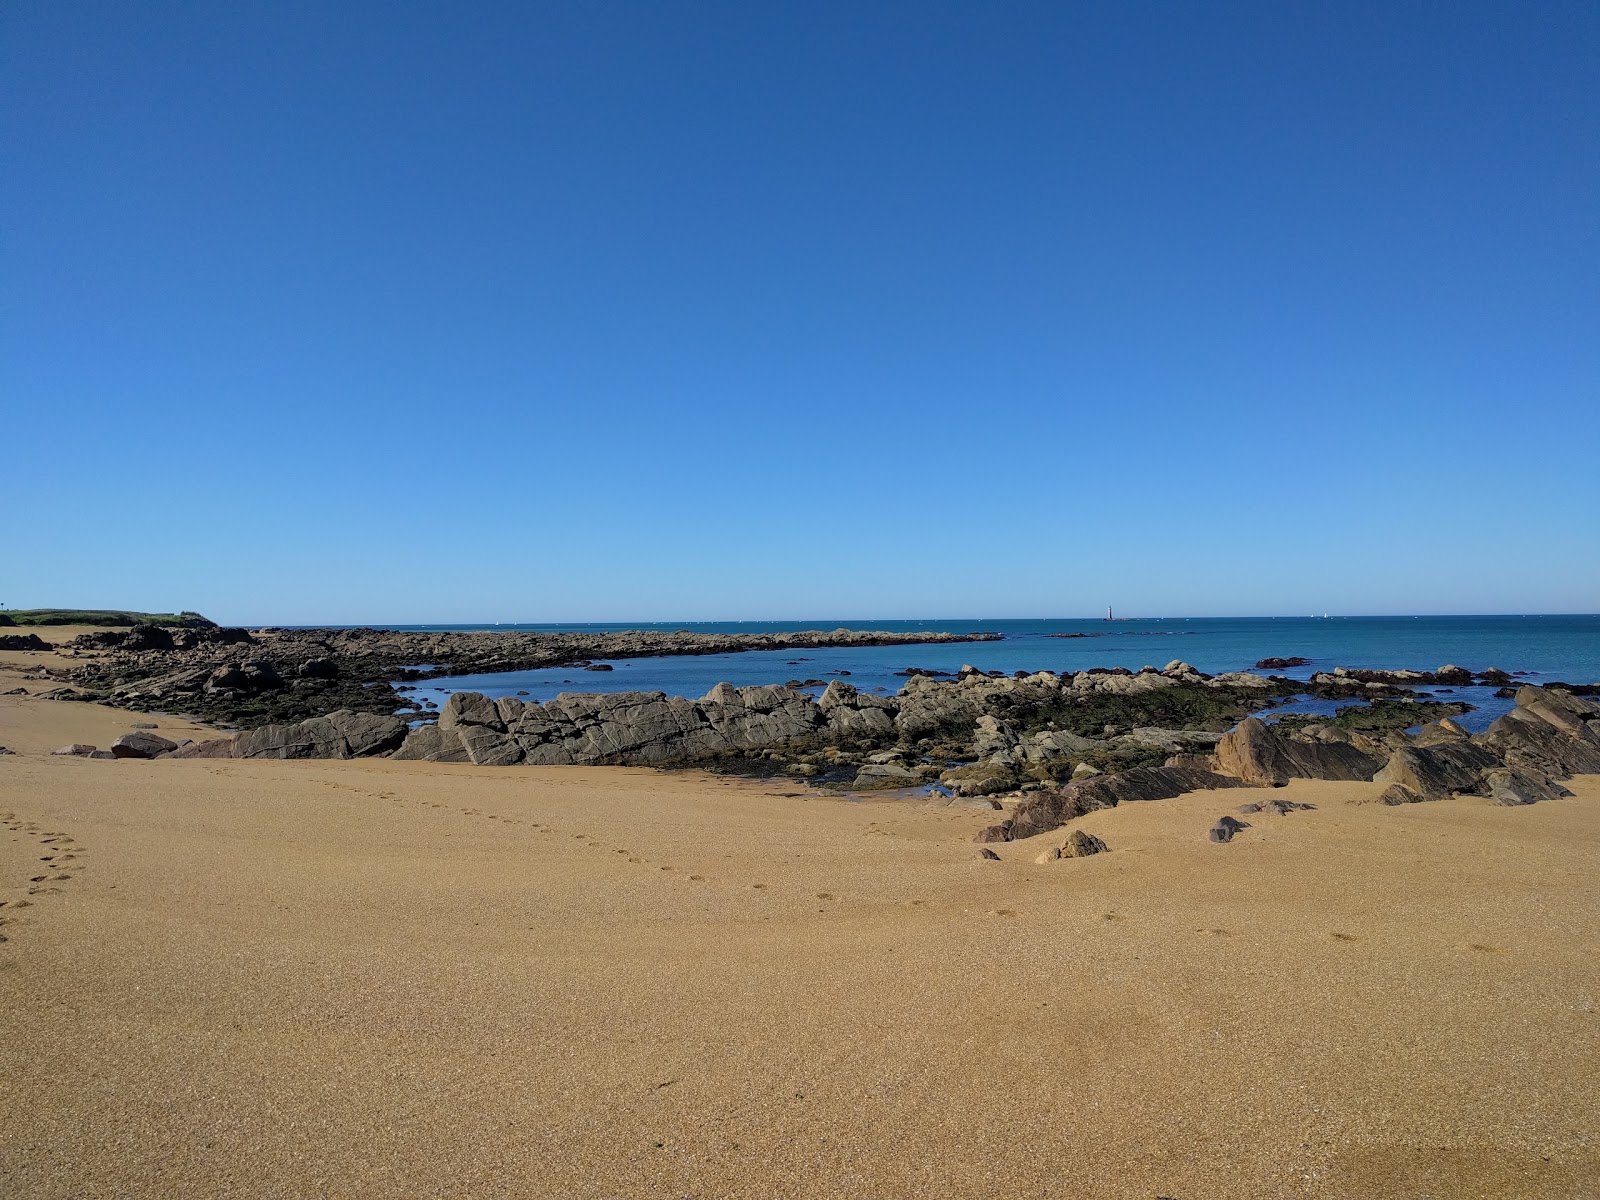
1546 647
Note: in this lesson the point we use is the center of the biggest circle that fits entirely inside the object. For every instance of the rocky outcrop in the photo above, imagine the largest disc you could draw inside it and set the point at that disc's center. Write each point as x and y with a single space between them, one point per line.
433 744
342 734
1511 787
858 718
24 641
879 776
1042 811
1433 772
1549 732
332 669
1261 756
988 778
245 679
638 728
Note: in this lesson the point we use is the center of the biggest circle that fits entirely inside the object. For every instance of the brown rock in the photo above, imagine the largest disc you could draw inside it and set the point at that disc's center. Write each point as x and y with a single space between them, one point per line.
1080 845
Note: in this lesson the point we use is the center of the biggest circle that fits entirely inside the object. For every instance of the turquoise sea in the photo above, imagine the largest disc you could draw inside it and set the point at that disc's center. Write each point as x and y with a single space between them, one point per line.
1545 647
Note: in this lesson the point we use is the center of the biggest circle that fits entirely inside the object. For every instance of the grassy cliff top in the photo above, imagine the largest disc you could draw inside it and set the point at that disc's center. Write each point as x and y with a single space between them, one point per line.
98 616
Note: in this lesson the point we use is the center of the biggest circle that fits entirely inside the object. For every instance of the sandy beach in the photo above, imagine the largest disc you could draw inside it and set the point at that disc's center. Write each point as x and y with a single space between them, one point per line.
376 978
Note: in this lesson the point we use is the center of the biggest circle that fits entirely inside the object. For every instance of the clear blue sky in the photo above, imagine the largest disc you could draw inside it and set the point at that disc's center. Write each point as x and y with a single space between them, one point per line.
610 311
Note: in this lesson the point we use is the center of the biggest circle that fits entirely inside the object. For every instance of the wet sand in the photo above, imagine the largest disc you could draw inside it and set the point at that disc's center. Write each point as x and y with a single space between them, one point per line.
376 979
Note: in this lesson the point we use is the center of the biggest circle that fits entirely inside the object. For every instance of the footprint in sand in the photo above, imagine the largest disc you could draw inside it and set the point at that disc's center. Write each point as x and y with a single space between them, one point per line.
824 895
760 887
1482 949
1344 937
1216 932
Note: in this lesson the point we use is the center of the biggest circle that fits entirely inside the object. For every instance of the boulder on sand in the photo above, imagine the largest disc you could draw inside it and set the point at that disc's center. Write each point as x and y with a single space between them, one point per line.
141 743
1080 845
1225 828
1511 787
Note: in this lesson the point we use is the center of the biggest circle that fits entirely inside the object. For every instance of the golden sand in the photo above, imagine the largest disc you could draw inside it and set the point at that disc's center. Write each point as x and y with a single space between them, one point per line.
378 979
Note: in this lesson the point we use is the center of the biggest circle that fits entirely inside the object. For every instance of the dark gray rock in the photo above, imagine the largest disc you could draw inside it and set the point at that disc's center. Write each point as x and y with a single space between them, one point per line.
341 734
1434 772
990 855
142 744
24 641
1225 828
1511 787
433 744
211 748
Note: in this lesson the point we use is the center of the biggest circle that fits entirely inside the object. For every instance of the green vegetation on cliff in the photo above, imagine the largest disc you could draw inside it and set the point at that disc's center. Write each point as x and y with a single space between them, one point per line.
98 616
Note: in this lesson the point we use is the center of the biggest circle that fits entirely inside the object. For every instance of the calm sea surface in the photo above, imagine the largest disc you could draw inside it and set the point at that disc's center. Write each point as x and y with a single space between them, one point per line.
1547 647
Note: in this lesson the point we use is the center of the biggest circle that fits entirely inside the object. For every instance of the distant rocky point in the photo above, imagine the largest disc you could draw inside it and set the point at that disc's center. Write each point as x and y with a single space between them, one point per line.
267 676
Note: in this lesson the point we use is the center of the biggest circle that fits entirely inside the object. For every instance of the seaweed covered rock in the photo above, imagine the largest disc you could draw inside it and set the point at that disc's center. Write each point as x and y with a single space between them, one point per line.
987 778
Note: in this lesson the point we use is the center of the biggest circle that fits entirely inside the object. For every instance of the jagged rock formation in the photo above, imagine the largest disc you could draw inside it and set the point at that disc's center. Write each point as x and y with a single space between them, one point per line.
1040 812
633 728
1262 757
1551 735
943 718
